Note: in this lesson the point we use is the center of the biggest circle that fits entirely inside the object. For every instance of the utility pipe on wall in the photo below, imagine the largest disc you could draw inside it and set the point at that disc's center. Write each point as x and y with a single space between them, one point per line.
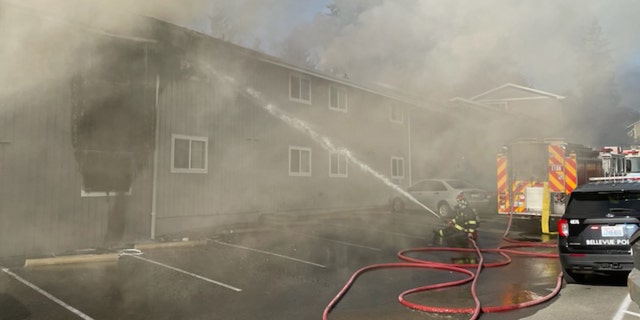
409 166
154 191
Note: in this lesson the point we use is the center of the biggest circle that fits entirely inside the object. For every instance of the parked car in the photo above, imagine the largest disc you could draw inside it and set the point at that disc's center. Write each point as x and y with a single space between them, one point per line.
594 232
439 195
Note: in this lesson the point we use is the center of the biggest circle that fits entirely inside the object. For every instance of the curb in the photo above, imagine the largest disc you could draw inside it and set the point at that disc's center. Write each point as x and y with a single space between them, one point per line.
113 256
105 257
74 259
176 244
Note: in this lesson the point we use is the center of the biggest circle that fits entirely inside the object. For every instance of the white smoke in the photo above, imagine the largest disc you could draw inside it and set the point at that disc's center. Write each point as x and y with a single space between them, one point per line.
429 48
422 44
412 44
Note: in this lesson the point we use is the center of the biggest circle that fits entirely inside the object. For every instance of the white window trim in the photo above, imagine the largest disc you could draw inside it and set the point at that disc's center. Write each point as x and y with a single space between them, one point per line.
300 76
102 193
190 138
338 90
392 173
346 165
299 174
399 111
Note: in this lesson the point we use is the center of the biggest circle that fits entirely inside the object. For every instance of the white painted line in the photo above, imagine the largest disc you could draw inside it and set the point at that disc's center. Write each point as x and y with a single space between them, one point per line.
635 314
187 273
440 225
623 307
350 244
375 230
270 253
336 241
48 295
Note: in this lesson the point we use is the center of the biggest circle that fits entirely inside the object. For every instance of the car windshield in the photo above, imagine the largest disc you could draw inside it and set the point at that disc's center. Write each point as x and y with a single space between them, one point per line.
597 204
460 184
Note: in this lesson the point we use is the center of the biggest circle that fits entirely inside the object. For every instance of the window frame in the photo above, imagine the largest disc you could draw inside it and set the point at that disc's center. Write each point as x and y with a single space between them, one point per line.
191 139
419 186
394 162
436 186
396 114
338 90
300 79
342 159
91 194
110 193
300 173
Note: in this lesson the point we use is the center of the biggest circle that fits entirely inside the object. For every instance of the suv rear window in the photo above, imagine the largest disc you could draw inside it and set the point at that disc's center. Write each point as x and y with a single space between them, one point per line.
598 204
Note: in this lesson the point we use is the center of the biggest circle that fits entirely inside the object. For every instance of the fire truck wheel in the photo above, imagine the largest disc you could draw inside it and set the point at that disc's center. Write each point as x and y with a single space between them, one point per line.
397 205
444 210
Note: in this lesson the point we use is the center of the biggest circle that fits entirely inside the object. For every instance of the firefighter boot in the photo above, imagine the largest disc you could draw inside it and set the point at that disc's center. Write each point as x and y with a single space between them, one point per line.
438 237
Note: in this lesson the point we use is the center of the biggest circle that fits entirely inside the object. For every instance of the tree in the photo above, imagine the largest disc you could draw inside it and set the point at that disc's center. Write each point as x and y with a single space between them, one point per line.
595 113
220 25
308 43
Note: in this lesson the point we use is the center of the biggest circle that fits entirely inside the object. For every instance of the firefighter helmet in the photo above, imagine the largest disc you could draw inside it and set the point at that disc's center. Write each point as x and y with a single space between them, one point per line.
462 200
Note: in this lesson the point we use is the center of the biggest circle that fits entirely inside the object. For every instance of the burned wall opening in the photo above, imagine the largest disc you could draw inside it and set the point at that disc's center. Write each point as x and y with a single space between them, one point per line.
113 115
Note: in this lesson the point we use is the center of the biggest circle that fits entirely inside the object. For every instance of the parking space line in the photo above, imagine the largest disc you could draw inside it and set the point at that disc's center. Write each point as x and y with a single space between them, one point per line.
622 309
269 253
188 273
47 294
336 241
376 230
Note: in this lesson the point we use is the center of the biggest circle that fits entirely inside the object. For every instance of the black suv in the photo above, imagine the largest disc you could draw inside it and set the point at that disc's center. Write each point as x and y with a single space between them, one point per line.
594 232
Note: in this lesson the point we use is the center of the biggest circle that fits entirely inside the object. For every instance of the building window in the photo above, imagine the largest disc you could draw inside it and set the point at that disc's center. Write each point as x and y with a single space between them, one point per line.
338 165
337 98
299 88
188 154
106 173
397 114
397 168
299 161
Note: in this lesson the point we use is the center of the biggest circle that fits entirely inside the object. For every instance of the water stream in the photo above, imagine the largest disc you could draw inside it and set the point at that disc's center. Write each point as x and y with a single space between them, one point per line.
322 140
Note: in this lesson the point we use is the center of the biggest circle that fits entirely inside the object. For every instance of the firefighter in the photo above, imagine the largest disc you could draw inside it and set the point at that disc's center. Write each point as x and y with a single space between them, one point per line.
464 223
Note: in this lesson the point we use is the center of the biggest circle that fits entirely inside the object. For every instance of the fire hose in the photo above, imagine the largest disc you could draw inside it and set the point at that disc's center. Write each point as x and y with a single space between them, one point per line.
478 309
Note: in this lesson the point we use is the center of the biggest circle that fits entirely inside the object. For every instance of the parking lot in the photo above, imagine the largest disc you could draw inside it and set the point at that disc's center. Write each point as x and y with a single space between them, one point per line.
291 267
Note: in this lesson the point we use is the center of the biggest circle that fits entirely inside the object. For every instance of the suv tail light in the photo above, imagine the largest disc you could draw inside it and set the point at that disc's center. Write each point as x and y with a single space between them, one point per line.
563 228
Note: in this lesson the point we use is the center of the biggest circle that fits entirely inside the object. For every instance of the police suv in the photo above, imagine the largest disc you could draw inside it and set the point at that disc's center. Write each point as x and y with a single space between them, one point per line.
594 232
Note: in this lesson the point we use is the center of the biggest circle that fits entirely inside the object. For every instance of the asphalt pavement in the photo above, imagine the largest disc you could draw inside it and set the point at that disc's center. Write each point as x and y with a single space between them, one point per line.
286 267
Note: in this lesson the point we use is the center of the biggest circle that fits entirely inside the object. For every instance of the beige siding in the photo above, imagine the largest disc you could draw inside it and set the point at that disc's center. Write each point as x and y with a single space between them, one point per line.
248 150
40 204
42 212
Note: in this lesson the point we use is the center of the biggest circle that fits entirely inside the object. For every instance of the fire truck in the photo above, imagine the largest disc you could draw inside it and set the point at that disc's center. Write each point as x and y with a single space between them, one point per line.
534 177
614 162
618 161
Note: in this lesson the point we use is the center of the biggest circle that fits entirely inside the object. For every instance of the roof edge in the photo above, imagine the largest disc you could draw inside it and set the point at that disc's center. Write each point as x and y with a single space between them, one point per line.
512 85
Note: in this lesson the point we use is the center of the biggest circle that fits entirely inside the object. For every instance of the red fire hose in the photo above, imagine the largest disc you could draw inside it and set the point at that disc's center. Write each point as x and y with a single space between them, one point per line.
425 264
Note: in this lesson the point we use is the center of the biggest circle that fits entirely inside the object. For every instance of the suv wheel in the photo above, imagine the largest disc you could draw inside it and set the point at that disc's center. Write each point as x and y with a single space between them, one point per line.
571 277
